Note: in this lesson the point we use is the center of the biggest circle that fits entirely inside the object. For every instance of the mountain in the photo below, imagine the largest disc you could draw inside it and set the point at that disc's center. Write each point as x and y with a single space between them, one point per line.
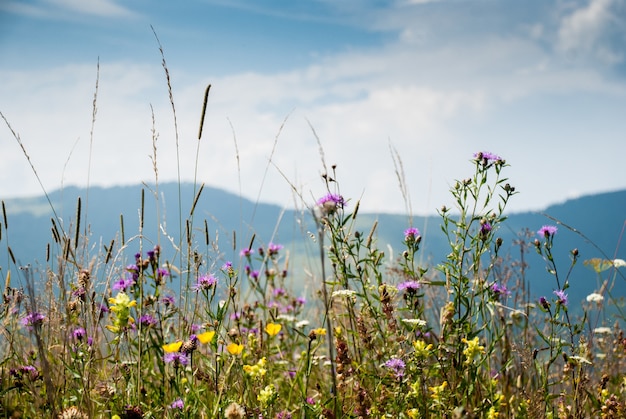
593 224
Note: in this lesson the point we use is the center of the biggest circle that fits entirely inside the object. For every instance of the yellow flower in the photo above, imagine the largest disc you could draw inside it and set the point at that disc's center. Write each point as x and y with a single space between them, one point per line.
206 337
256 370
473 350
413 413
121 301
268 395
120 307
273 329
437 391
421 349
320 331
173 347
234 348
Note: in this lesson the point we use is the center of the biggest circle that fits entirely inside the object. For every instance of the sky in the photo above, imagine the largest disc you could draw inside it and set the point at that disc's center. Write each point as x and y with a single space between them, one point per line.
375 87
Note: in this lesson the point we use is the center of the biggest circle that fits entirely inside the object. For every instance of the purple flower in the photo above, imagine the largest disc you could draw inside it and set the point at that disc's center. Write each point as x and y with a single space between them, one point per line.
333 199
562 297
279 292
254 274
246 252
544 303
301 301
411 234
397 365
487 157
147 320
79 333
547 231
33 319
409 286
205 282
162 272
328 204
168 300
177 358
283 415
177 404
485 228
273 249
499 290
134 270
79 292
122 284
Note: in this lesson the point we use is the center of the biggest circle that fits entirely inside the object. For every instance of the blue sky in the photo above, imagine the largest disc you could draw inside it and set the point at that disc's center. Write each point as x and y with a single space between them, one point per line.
541 83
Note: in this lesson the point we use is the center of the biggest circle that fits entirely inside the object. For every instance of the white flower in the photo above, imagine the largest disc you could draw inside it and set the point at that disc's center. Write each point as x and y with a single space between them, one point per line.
580 359
286 317
416 322
344 293
619 263
595 298
302 323
601 330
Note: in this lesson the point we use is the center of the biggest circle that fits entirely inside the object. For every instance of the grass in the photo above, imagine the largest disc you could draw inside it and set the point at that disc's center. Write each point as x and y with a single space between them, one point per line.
102 334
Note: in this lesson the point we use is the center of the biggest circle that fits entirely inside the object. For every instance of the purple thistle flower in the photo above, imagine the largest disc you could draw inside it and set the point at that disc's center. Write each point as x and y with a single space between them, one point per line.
146 320
205 282
547 231
499 290
328 204
79 292
122 284
485 228
334 199
301 301
33 319
544 303
162 272
79 333
177 404
397 366
246 253
488 157
409 286
411 234
562 297
254 274
273 249
168 300
177 358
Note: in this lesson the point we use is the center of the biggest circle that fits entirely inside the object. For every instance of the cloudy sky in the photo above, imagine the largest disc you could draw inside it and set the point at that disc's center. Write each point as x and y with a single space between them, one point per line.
540 83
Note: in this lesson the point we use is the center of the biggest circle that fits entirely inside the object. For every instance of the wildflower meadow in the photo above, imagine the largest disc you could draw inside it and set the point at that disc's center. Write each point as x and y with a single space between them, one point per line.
170 327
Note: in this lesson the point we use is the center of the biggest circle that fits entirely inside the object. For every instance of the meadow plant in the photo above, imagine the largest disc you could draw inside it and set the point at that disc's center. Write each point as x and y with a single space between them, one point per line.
105 333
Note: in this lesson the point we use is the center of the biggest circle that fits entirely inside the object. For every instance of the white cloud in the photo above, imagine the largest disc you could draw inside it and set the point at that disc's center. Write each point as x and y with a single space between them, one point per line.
60 8
585 30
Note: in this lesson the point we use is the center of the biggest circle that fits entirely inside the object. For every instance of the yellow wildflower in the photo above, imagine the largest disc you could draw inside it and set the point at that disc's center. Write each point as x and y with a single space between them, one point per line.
234 348
268 395
120 307
173 347
413 413
437 392
421 349
206 337
472 351
256 370
273 329
320 331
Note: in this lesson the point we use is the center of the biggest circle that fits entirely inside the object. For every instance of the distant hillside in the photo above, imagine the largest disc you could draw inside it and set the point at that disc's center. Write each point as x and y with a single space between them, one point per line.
231 222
